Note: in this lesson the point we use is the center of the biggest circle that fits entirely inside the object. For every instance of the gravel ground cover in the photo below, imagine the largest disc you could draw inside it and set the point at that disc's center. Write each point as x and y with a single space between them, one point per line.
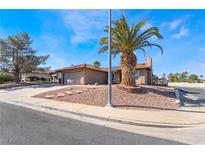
153 97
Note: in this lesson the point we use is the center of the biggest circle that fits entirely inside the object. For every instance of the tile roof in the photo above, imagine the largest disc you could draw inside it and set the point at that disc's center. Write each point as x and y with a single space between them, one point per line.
81 66
115 68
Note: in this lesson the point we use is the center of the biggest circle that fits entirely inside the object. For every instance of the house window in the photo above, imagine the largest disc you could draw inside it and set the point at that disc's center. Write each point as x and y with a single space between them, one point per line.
113 76
137 74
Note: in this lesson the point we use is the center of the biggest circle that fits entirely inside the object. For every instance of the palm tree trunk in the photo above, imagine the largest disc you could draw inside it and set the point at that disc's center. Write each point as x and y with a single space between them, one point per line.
128 64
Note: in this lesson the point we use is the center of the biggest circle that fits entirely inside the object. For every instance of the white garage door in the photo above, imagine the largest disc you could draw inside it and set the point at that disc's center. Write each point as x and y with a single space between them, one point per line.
72 78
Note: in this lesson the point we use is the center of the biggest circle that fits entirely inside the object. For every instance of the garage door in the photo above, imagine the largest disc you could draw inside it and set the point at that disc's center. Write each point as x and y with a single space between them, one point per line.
72 78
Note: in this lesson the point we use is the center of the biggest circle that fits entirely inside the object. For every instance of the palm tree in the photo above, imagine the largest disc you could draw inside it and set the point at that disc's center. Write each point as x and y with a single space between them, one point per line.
96 63
125 41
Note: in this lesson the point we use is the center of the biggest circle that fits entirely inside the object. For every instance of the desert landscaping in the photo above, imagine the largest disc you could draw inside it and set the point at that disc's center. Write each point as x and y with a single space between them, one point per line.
154 97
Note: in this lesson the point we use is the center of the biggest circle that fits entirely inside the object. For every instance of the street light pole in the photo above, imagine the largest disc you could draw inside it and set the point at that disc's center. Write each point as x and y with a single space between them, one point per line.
109 103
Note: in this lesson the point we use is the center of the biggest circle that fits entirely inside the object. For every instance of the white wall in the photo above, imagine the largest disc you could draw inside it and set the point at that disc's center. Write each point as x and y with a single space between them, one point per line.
25 77
185 84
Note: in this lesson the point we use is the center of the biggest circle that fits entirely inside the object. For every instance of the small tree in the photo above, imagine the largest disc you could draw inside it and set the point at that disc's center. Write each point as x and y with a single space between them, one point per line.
184 76
174 77
17 55
193 78
96 63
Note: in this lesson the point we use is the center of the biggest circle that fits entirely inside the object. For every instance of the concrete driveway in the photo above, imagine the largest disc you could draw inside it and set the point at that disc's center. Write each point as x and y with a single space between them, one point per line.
28 91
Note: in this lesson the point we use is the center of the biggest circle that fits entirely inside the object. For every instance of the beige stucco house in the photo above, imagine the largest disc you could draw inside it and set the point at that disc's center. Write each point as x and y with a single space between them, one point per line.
82 74
38 75
88 74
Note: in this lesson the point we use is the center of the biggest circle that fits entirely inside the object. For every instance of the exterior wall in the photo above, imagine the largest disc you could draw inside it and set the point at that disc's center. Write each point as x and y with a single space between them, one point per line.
145 77
142 77
116 78
149 77
84 76
74 77
93 76
149 62
185 84
25 77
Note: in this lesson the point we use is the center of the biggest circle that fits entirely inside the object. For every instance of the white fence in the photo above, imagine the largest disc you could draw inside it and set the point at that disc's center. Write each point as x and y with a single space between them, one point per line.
185 84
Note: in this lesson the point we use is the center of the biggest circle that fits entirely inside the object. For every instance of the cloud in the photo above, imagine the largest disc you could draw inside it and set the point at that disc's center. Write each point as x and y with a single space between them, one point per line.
202 49
182 33
86 24
174 24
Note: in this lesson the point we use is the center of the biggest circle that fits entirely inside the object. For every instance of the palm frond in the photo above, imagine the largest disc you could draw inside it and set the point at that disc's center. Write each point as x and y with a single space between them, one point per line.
127 38
153 44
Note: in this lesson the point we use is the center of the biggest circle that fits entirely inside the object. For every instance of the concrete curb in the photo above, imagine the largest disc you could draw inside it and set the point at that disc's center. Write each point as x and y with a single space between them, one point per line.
178 101
133 123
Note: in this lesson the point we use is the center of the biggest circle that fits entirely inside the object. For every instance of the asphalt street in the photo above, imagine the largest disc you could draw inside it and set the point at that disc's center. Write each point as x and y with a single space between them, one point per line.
192 96
19 125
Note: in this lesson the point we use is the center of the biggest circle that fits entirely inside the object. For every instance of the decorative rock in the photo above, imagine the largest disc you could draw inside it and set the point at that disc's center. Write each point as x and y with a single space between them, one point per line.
69 92
69 88
77 91
60 95
85 89
92 87
50 96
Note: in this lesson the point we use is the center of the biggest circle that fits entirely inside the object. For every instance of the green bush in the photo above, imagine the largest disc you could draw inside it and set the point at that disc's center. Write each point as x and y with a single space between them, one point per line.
6 77
35 78
43 79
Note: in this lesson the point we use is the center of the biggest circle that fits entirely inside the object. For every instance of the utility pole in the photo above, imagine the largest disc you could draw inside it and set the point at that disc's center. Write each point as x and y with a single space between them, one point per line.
109 103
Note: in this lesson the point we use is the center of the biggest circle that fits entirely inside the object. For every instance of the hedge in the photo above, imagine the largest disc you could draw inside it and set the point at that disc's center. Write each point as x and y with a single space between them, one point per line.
6 77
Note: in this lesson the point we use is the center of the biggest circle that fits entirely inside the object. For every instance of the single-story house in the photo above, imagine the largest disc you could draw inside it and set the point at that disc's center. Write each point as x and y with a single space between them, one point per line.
88 74
82 74
36 75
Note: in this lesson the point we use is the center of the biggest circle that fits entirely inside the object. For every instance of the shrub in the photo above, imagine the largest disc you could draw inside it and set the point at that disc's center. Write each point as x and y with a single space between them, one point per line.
6 77
33 78
43 79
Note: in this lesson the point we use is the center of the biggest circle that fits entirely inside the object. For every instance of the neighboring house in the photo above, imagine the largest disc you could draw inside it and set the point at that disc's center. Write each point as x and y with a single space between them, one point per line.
88 74
37 75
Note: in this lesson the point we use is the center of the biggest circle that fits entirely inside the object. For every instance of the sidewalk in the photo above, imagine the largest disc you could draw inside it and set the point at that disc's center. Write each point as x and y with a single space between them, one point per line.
149 118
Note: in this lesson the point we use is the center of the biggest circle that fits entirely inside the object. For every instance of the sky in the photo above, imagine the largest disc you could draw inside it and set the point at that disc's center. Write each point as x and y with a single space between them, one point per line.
72 36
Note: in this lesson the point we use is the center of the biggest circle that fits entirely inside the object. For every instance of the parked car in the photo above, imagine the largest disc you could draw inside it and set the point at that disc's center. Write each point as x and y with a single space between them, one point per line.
162 81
